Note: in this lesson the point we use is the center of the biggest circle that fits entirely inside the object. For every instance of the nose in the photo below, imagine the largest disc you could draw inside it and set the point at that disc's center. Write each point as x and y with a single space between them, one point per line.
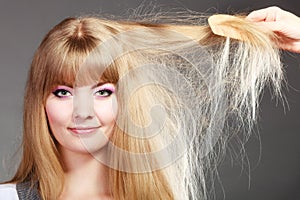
83 104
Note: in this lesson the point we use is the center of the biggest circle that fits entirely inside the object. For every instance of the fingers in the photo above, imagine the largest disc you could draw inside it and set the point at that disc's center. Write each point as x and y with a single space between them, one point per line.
283 23
277 20
274 26
265 14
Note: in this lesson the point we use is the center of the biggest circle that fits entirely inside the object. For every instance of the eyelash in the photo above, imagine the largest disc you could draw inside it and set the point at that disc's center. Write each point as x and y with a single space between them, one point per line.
63 93
107 92
58 91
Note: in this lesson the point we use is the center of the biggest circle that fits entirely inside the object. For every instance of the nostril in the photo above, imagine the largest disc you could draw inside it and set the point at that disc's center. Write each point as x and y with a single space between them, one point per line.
83 112
83 104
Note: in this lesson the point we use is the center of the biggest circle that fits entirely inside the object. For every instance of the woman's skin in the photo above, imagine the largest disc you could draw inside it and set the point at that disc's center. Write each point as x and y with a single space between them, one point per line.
82 128
285 24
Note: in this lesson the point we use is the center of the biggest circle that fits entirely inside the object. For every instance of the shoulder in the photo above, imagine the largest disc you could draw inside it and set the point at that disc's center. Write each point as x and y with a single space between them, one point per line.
8 192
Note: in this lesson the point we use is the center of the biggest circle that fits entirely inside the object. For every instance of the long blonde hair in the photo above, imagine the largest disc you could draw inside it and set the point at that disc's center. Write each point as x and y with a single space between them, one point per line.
174 76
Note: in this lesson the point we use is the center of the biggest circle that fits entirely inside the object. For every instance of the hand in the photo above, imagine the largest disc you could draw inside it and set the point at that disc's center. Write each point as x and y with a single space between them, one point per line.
285 24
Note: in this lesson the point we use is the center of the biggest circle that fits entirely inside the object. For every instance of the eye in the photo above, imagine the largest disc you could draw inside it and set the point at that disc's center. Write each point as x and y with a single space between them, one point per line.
104 90
103 93
62 93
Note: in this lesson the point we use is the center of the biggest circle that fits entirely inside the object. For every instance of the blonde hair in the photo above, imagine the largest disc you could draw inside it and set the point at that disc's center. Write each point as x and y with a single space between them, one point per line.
214 96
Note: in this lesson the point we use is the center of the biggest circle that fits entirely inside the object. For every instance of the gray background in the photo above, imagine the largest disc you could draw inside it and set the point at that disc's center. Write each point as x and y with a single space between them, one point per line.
274 157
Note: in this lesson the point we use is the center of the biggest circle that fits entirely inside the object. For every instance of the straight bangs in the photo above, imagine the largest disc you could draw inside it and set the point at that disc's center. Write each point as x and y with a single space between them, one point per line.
76 69
75 55
97 67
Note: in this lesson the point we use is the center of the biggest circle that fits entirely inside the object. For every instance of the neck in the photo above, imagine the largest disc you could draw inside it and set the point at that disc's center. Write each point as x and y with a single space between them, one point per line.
85 176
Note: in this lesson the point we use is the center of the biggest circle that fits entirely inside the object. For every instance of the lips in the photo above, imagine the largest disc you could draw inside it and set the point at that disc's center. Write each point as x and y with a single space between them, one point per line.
83 130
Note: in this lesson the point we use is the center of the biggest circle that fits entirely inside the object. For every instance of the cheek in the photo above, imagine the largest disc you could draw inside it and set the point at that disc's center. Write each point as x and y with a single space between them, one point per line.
106 111
59 113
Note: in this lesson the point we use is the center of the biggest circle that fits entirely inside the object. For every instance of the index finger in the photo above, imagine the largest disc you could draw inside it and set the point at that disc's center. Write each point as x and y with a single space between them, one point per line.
265 14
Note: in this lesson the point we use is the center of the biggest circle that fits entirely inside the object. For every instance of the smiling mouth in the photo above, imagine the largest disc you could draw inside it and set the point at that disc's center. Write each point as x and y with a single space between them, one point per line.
83 130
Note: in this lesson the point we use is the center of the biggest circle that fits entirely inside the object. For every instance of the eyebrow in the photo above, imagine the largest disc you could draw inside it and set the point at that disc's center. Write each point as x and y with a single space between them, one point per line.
93 86
99 84
69 85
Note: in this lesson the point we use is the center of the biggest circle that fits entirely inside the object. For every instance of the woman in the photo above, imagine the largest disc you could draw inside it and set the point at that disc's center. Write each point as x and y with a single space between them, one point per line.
138 110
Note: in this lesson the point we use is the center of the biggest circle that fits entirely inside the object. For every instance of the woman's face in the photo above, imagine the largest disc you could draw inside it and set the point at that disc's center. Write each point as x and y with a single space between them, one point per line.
82 118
